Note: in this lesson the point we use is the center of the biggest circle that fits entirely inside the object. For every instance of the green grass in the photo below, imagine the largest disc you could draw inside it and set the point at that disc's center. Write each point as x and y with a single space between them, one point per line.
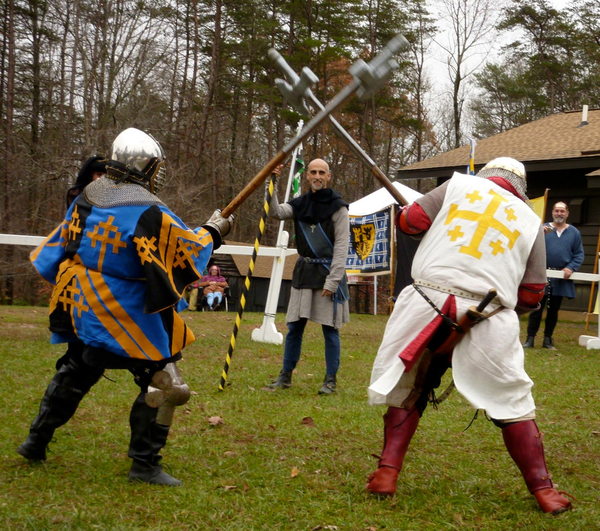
238 475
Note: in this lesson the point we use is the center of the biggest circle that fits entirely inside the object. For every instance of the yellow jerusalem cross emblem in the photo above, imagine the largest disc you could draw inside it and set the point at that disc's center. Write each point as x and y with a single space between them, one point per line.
485 221
363 239
74 225
71 296
107 234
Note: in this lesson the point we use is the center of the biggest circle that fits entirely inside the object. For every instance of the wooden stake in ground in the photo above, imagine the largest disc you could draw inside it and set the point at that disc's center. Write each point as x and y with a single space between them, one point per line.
590 305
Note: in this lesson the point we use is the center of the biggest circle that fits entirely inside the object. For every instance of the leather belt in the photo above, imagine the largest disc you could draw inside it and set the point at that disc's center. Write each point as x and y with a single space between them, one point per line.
453 291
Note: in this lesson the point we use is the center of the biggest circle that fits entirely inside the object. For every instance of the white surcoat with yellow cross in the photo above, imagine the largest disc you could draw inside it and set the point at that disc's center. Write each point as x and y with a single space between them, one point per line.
480 239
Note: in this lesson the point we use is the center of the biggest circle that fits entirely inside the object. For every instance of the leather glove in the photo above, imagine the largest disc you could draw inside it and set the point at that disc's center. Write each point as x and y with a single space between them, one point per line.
219 227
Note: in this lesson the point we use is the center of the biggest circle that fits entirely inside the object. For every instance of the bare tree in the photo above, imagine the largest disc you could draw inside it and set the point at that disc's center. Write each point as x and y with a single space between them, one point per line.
8 73
468 44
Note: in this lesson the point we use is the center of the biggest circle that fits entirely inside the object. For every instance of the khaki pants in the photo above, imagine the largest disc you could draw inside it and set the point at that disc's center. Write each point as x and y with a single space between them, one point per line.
193 302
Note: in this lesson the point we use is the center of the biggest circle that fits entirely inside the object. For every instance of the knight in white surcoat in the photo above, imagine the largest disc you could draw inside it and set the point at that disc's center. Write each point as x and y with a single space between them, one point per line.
478 233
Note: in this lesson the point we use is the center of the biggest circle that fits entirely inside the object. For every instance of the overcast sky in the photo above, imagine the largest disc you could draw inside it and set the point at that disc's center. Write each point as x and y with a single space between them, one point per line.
436 64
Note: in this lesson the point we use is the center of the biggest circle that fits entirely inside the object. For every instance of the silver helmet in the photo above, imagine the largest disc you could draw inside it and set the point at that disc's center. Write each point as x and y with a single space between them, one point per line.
137 157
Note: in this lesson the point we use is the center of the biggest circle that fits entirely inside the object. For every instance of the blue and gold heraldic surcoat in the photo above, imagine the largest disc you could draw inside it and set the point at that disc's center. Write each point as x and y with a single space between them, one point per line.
119 274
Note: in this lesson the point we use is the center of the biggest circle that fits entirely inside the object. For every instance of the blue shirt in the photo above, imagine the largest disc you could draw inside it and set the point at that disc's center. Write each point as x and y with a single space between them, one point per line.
564 251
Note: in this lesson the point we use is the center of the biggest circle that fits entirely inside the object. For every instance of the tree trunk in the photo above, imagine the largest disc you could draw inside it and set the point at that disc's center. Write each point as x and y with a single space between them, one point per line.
212 82
5 219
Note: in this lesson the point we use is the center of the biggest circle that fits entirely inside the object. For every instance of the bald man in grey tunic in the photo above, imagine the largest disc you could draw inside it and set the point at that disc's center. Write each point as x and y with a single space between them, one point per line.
319 284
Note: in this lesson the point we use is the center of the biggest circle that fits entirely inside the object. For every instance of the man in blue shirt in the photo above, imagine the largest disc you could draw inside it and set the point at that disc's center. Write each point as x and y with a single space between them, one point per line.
564 252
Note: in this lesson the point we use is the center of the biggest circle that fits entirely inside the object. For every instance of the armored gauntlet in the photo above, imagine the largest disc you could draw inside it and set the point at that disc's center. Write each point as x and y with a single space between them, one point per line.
219 227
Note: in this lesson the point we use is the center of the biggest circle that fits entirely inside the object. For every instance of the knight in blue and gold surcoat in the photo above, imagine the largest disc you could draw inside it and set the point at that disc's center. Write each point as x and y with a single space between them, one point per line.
120 262
119 274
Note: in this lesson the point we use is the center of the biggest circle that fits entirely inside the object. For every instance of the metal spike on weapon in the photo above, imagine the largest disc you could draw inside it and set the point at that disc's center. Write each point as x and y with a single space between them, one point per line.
379 68
288 92
374 75
246 288
295 94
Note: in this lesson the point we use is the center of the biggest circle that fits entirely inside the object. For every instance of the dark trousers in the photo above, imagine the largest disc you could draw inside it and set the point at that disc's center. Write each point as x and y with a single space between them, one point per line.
293 346
535 318
74 378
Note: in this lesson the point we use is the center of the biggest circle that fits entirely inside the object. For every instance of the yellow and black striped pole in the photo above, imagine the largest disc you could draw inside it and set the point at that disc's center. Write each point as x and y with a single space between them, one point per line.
246 288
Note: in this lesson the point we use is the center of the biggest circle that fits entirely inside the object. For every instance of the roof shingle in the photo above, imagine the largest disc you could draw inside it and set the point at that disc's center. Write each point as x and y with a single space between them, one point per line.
559 136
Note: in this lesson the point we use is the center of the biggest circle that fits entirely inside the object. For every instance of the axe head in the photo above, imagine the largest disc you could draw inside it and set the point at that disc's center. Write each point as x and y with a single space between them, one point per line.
293 99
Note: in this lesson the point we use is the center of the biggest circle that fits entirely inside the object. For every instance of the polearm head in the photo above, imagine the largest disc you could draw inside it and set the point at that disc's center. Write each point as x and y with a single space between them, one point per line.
374 75
296 89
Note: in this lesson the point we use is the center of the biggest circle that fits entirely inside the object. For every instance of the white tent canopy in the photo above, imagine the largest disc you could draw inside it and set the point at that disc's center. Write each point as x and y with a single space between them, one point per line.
381 199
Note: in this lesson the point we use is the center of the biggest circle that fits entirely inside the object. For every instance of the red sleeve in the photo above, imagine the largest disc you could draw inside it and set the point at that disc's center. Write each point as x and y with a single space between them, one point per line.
413 219
530 295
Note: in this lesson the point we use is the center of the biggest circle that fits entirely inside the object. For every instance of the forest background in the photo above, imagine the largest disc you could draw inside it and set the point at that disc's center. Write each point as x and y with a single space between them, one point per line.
195 74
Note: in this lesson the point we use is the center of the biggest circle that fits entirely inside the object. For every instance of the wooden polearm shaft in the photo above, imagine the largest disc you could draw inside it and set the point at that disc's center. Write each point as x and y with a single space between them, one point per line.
363 156
368 78
287 150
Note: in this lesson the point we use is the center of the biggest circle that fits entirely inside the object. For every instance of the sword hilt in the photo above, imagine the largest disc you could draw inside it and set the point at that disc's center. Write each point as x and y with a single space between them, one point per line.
487 299
475 313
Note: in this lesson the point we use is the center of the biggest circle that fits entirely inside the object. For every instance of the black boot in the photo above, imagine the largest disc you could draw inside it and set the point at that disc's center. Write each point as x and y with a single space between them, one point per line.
284 380
529 342
147 440
548 343
328 386
69 385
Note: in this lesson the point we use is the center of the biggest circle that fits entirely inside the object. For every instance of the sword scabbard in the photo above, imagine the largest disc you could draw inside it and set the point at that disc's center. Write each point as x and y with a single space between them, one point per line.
469 320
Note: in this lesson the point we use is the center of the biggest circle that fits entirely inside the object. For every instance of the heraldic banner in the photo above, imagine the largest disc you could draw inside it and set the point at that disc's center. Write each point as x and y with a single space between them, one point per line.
369 249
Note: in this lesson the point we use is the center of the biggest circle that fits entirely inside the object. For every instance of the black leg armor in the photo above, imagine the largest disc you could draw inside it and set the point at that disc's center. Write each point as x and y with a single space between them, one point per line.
69 385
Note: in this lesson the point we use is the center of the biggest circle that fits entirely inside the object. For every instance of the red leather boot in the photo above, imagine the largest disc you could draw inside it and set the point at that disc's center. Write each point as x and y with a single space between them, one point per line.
399 427
523 441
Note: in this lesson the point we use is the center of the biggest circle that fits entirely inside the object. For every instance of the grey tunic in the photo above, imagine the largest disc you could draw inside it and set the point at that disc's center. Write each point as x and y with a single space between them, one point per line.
309 303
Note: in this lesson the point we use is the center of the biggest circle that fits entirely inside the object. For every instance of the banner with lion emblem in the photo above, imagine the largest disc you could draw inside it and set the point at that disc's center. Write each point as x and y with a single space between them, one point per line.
369 249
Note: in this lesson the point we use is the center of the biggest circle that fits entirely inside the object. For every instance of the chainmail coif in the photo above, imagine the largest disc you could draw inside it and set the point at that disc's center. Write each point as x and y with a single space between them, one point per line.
105 193
519 184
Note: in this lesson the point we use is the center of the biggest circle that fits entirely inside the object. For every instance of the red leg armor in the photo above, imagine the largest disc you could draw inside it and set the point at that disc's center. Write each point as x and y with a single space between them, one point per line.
399 427
523 441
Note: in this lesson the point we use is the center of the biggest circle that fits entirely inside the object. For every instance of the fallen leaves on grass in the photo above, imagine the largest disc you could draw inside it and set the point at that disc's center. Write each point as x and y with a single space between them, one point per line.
294 472
215 421
308 421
